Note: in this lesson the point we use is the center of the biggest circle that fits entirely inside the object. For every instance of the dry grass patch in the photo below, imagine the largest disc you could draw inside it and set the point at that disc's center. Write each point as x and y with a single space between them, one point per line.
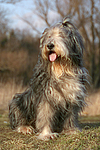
14 61
93 104
88 139
7 91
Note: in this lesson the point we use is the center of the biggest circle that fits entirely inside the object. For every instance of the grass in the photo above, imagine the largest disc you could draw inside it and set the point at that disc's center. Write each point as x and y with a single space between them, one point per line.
88 139
15 61
93 101
7 91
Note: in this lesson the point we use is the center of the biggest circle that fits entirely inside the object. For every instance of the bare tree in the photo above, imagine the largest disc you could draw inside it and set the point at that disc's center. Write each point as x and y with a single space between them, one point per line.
90 29
85 14
3 20
10 1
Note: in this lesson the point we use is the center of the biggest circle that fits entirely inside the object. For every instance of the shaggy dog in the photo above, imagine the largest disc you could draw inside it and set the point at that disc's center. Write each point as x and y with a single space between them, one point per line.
57 89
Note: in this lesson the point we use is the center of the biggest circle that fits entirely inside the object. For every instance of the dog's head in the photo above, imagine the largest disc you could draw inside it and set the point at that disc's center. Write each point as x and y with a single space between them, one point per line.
62 41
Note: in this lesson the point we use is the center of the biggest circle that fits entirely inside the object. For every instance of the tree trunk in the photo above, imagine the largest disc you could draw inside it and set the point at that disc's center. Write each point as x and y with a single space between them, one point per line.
93 44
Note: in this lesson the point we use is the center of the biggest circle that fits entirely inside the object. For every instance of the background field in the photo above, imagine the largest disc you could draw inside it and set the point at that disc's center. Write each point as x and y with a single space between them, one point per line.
8 90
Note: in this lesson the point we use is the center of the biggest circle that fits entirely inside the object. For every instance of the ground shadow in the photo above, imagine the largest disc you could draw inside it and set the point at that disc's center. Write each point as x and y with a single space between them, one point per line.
87 122
86 126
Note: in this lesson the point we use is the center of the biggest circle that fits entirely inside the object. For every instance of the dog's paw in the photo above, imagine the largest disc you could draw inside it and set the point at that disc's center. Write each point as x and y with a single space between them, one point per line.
25 129
48 136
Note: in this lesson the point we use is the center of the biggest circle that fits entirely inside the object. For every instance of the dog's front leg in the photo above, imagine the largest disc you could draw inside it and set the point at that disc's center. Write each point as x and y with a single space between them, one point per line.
44 122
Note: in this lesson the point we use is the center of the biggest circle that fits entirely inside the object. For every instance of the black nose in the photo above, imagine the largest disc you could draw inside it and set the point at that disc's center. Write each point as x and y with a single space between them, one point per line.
50 46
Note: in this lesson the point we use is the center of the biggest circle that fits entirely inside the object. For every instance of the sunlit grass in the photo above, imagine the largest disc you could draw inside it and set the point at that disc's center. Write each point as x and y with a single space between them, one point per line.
88 139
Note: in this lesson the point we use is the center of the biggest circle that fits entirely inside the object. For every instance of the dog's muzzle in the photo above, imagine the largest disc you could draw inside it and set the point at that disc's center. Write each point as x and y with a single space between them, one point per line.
51 53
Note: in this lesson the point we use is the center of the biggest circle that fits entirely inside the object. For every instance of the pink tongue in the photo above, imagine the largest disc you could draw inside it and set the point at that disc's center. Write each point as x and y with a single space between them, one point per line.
52 57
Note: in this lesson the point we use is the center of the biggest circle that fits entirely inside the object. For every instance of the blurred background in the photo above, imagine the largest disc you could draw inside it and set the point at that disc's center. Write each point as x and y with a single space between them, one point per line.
21 25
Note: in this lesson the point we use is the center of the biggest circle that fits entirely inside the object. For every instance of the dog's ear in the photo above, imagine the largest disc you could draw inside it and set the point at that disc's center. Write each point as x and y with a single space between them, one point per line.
67 23
74 35
66 20
45 31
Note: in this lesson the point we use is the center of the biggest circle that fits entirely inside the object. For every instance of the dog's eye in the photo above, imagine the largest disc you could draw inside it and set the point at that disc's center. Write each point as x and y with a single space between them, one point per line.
49 36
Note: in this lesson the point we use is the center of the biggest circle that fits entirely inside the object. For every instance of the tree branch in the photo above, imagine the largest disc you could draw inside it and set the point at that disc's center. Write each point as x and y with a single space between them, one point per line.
32 26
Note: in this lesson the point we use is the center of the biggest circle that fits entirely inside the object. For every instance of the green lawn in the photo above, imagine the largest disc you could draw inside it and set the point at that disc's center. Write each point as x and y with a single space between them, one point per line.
88 139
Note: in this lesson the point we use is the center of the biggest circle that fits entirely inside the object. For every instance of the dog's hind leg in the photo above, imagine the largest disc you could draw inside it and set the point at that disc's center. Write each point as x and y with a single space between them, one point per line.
20 115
